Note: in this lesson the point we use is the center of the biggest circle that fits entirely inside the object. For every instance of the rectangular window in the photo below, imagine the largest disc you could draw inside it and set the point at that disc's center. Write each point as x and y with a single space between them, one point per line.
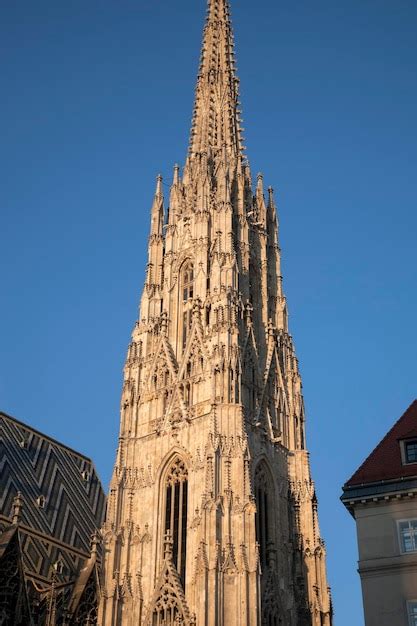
412 613
408 535
411 451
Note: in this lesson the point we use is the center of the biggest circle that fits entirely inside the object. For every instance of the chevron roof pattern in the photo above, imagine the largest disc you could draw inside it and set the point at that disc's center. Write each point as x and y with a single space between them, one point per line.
63 499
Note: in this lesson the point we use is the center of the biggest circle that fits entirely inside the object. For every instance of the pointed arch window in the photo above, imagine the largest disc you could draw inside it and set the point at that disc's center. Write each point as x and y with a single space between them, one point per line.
187 282
187 294
264 513
176 504
187 394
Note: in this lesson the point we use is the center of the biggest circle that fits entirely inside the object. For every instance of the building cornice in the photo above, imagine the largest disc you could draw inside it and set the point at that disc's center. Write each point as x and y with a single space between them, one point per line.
378 492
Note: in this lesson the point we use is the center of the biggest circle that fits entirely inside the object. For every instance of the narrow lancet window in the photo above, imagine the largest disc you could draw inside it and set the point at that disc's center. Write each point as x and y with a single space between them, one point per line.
263 496
176 497
187 291
187 282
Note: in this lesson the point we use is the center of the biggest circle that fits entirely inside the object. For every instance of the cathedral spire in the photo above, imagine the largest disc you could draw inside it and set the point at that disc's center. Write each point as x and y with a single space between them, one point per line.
216 121
212 447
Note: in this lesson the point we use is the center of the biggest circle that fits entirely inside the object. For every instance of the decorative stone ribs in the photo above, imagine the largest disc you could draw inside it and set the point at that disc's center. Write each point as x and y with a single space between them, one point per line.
166 611
177 473
169 606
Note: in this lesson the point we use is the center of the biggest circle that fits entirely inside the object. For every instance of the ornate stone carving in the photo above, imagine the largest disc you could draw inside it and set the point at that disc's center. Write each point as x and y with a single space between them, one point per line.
213 395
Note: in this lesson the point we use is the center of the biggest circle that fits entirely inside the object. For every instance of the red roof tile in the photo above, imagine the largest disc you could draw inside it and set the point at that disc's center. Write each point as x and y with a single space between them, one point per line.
385 463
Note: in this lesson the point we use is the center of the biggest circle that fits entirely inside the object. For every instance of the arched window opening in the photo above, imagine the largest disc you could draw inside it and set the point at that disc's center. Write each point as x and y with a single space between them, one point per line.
187 290
186 325
253 388
166 377
165 397
264 512
187 394
231 385
187 282
176 499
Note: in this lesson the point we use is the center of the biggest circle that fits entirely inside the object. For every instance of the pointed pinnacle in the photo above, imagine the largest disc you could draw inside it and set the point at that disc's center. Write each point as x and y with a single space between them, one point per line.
17 508
260 183
168 543
271 202
176 178
158 191
216 125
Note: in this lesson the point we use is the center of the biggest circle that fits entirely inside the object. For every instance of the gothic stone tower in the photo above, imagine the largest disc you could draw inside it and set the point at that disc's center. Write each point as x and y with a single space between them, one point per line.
212 513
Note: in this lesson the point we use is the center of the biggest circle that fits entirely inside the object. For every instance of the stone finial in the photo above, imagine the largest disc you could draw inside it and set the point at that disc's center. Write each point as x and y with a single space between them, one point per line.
260 183
168 544
197 308
271 201
164 323
95 540
249 313
176 178
17 508
158 191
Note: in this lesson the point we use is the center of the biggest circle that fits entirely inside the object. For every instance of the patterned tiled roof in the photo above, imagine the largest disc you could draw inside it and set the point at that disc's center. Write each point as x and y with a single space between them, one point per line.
63 500
385 462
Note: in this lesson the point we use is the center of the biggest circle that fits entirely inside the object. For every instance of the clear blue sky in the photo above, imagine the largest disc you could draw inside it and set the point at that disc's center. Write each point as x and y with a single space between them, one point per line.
96 100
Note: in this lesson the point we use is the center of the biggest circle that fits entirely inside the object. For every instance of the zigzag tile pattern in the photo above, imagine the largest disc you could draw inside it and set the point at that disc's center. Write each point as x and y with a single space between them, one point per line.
63 499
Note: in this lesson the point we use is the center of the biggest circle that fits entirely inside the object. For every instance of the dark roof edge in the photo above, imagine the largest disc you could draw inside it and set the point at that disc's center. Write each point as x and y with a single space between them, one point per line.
374 483
378 489
51 439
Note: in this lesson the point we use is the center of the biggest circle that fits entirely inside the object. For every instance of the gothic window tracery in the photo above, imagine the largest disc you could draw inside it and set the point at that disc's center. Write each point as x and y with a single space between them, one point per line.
86 613
166 611
176 500
14 609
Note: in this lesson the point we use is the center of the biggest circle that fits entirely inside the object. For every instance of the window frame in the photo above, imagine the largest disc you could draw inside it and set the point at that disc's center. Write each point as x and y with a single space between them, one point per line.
400 536
403 445
411 604
186 297
182 520
264 492
187 281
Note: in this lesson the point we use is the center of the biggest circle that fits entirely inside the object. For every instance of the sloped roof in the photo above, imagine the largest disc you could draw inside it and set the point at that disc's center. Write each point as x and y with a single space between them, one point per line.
384 462
39 467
